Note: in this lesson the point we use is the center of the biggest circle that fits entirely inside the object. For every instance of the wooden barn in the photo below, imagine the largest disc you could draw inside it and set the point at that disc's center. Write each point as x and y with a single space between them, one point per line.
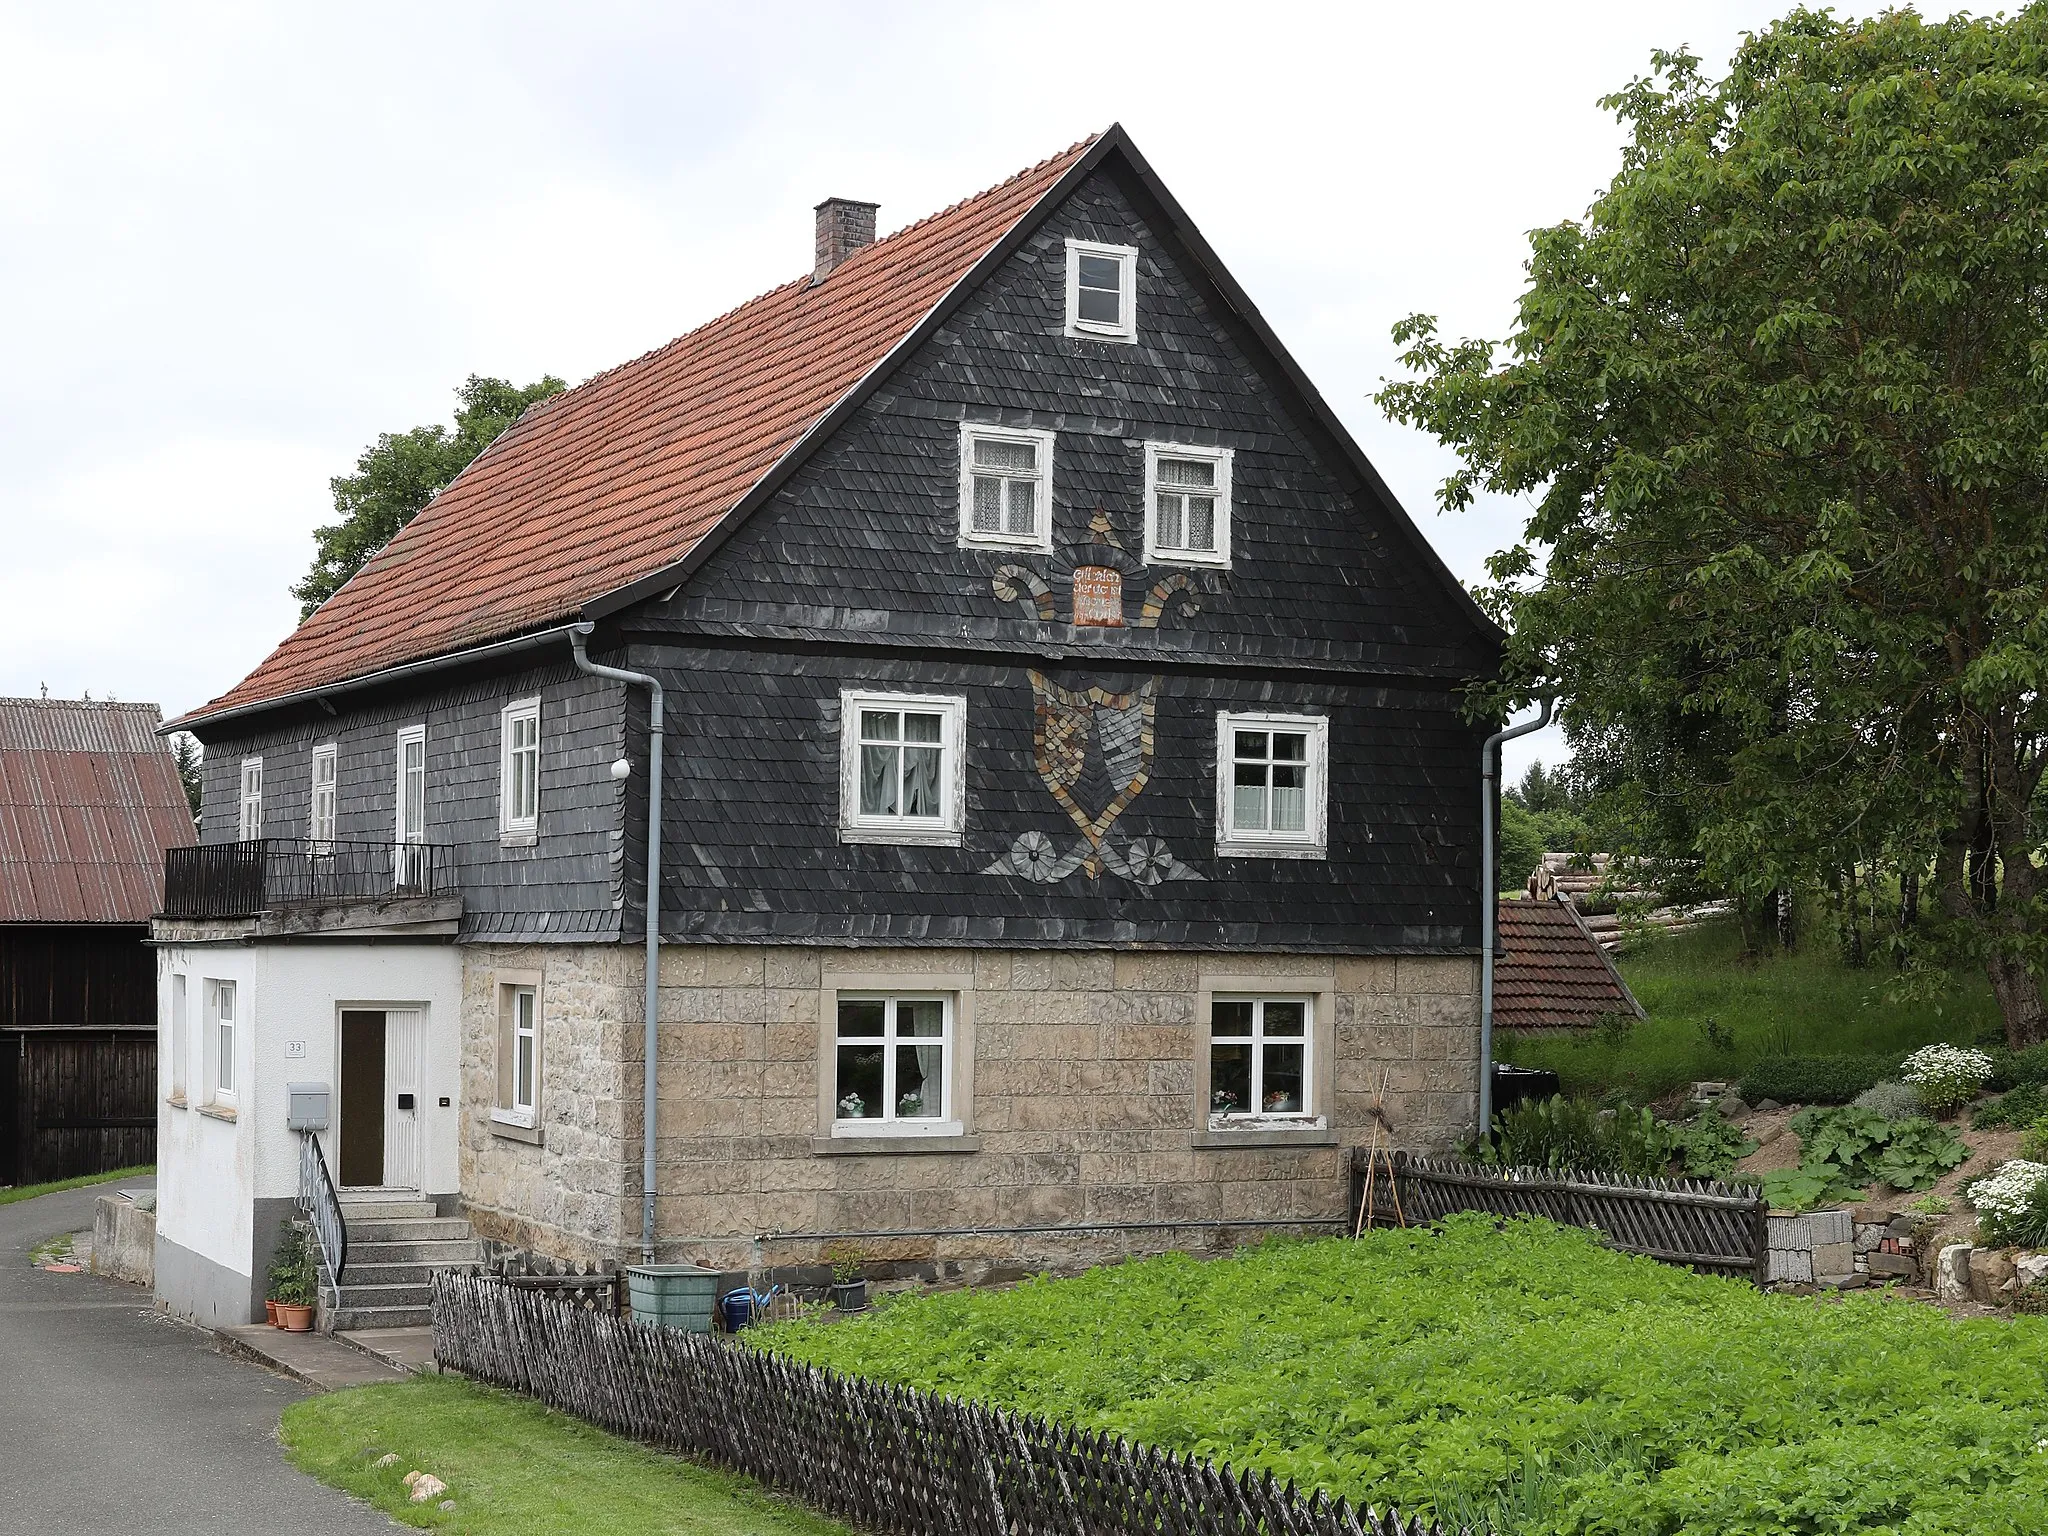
89 801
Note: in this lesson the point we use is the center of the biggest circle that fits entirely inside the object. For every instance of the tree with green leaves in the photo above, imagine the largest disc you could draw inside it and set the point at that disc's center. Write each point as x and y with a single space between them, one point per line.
400 473
1779 400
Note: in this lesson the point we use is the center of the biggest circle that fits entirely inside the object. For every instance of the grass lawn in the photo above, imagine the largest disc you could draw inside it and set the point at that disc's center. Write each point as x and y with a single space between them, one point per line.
1803 1004
1529 1377
30 1191
513 1466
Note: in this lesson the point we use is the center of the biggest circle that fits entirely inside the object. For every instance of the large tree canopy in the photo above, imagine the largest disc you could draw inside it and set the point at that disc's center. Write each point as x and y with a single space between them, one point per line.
400 473
1780 403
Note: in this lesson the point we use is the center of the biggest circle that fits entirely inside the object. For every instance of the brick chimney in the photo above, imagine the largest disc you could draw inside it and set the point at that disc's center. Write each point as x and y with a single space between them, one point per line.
844 226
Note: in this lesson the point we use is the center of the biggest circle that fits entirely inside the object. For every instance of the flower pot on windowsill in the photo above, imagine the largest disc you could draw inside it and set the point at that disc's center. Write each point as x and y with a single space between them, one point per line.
293 1318
270 1312
850 1295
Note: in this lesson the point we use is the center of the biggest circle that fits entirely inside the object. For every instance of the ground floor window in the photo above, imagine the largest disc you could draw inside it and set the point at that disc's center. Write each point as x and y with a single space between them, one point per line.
894 1059
1259 1050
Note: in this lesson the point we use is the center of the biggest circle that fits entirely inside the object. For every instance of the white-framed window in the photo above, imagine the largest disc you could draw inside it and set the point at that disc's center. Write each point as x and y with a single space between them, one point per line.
1272 773
180 1050
249 808
519 769
519 1058
1187 504
893 1065
321 822
1261 1058
1005 487
412 784
902 767
221 1021
1102 291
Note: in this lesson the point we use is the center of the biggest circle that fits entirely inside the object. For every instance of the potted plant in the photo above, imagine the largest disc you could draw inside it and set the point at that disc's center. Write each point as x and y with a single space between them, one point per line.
849 1284
294 1281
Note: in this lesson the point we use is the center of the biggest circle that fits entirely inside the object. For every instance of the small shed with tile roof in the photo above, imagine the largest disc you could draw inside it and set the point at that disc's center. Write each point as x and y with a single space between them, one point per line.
89 800
1551 973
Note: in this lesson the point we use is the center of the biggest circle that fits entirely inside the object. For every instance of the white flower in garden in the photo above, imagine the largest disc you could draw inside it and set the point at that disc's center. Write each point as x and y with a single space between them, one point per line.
2003 1195
1947 1063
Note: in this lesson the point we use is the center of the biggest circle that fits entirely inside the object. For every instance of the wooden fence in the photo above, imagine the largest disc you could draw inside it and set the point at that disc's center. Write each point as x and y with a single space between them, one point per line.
1719 1228
889 1459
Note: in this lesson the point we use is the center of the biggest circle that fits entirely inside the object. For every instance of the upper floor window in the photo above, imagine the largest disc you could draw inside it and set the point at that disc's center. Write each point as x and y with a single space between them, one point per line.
321 822
1187 504
249 811
1271 778
1005 487
901 767
1102 291
519 770
412 784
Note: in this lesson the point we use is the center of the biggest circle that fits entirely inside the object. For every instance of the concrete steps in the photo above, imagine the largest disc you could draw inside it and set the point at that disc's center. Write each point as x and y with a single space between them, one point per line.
394 1248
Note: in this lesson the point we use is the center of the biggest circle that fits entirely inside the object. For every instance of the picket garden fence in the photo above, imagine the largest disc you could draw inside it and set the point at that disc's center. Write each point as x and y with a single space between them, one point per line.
888 1459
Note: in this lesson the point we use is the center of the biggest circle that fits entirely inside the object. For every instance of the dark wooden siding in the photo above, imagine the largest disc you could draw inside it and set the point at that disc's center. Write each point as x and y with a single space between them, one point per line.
75 1102
83 974
566 884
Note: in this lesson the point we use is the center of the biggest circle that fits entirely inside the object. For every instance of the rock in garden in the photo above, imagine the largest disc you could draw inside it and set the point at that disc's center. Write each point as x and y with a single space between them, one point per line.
1991 1273
428 1487
1952 1273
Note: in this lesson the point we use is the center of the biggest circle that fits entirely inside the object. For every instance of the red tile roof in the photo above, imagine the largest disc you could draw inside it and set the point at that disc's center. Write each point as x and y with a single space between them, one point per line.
89 801
1550 973
613 481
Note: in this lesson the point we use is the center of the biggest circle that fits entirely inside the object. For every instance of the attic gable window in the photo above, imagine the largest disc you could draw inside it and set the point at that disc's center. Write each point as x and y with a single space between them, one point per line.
1005 488
1102 291
1187 504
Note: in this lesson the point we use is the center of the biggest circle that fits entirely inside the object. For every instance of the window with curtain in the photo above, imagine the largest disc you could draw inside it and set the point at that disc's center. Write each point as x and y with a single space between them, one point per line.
1272 773
1187 504
893 1059
1006 487
1259 1057
900 767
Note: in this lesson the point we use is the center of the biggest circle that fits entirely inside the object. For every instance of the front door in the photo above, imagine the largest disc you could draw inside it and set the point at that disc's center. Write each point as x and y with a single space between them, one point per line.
381 1141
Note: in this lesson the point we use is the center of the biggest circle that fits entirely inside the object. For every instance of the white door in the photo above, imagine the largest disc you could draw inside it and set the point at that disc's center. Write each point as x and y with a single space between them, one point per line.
404 1141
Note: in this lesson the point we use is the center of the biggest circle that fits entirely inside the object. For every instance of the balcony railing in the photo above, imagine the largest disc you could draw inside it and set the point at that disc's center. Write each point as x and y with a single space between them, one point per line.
243 879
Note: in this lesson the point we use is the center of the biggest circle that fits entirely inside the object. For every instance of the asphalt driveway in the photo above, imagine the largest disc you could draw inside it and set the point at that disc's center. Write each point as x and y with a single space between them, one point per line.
115 1419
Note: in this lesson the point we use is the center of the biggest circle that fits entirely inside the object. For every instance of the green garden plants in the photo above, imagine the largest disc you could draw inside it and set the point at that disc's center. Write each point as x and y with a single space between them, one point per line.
1521 1370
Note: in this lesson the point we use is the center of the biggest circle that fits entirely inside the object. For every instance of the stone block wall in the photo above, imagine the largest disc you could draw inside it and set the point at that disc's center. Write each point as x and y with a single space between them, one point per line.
1081 1119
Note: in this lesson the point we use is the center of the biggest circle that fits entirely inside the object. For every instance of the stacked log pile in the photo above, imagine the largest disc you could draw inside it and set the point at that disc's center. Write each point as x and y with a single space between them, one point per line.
1612 908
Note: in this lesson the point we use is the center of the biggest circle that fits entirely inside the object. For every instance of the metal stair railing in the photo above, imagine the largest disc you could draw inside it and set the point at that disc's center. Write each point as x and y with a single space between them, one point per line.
321 1205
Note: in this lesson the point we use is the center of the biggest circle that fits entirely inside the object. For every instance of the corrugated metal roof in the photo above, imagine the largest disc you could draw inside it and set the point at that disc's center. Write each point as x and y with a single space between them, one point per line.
89 801
1551 973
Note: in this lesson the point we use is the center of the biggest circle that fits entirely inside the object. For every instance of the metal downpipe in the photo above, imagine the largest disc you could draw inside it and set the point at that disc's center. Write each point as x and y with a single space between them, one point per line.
1489 901
578 635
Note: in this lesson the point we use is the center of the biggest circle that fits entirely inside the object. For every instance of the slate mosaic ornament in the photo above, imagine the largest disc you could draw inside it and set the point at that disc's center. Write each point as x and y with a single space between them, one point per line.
1093 745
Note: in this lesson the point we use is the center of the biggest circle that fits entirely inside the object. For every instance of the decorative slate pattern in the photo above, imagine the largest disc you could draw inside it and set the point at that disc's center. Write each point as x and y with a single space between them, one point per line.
751 849
1551 973
89 801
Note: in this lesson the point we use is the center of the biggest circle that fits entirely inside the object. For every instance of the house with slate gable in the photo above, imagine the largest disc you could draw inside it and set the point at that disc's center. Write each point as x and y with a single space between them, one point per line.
1067 816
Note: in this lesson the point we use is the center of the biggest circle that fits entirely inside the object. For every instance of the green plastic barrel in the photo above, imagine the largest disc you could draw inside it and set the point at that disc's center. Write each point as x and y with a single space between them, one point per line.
673 1295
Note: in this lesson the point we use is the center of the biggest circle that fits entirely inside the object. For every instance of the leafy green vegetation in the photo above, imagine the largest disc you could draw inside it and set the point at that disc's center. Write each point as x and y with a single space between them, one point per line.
30 1191
1808 1004
1527 1374
514 1468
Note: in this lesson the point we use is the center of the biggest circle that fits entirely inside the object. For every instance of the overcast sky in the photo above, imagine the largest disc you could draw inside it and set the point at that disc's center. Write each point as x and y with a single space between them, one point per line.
236 243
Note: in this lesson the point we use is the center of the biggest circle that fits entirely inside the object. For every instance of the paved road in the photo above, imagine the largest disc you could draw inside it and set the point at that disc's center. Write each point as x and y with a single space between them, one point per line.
115 1420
